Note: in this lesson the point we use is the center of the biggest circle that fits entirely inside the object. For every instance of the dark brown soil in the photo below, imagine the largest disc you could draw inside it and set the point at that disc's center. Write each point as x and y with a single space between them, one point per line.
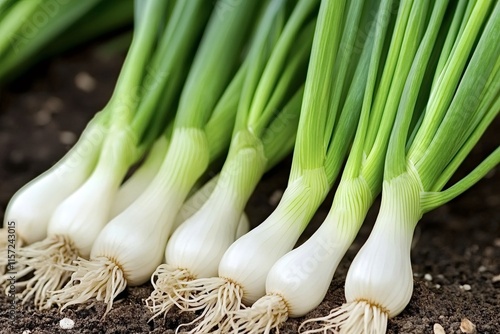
456 256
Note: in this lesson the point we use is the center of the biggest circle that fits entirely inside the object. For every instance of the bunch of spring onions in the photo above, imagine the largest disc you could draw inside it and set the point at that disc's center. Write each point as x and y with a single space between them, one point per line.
201 131
463 101
329 113
266 123
64 209
396 92
29 32
299 280
35 29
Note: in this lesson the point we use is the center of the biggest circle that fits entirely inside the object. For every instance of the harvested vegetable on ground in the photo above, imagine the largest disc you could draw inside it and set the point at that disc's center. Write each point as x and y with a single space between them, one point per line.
266 123
291 289
393 94
76 220
324 135
201 132
25 28
462 103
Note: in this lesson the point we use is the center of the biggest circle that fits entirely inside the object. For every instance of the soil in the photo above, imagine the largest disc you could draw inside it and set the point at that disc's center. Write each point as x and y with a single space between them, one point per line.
455 258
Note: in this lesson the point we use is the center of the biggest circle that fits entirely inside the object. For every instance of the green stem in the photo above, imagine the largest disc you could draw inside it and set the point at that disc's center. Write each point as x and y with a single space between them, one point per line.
441 97
163 81
451 38
128 93
462 110
274 66
279 136
15 18
33 37
342 65
467 146
310 151
394 58
220 125
432 200
294 73
396 151
215 62
349 118
378 31
263 44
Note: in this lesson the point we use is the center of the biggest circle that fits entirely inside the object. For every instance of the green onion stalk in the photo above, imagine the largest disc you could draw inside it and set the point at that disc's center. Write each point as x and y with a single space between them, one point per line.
134 186
201 132
104 21
22 39
325 132
462 103
77 219
29 28
27 205
299 280
266 123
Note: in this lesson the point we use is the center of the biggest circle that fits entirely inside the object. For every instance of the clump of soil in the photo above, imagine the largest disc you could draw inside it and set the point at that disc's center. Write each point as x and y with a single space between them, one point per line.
455 257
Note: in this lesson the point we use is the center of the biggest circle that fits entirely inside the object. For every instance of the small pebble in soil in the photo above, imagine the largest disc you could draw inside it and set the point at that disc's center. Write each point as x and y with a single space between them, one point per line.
53 104
85 82
42 117
466 326
438 329
482 269
275 197
465 287
428 277
496 279
27 331
66 323
67 137
496 242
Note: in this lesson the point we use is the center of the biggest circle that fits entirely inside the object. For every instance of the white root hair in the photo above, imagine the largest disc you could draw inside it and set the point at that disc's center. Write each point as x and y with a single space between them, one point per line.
266 314
169 290
46 260
99 278
217 297
357 317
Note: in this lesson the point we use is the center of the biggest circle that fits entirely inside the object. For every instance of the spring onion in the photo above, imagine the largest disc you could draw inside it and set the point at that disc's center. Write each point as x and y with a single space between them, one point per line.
77 220
133 187
323 138
298 281
113 263
28 28
196 247
462 103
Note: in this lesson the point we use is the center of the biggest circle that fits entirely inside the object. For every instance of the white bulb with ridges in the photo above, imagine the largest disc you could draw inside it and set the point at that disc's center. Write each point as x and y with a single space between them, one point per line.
141 178
381 273
199 243
302 277
33 205
249 259
135 240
